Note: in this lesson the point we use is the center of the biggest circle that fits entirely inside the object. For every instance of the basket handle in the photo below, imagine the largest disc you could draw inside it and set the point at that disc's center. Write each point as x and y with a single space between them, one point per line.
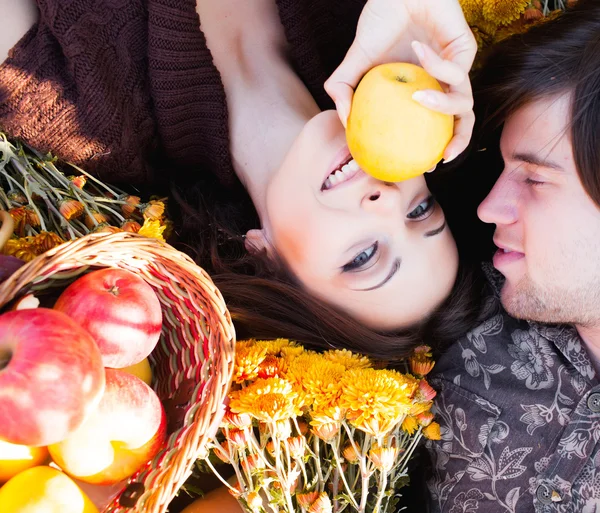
7 228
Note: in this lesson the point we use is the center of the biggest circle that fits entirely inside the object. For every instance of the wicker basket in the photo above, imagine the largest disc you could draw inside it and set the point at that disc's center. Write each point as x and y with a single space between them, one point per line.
192 362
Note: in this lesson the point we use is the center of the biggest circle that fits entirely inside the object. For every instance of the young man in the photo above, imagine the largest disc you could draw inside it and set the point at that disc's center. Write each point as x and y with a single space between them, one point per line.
519 396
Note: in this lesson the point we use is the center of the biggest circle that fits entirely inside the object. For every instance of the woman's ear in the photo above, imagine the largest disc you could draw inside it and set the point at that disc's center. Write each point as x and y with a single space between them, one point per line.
256 242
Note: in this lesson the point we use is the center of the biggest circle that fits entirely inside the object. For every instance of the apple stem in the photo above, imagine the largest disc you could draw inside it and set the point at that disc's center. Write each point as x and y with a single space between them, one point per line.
401 79
114 290
4 359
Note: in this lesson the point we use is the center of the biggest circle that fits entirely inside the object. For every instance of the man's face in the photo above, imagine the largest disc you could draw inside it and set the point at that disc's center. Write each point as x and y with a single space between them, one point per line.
547 227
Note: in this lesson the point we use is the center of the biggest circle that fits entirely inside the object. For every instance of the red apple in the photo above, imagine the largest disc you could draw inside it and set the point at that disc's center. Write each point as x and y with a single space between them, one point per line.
119 309
51 376
126 431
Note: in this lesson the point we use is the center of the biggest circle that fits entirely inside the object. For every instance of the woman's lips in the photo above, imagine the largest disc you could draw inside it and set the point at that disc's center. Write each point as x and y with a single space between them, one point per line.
347 172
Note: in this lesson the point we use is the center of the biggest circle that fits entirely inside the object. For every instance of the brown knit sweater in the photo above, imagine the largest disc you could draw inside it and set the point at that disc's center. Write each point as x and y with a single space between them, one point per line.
116 85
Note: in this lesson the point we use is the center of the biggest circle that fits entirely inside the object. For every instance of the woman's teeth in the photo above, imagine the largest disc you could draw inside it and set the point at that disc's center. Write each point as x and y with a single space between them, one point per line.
344 174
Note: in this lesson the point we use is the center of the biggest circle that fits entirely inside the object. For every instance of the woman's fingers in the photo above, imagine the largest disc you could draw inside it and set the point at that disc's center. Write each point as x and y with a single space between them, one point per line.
463 128
341 84
441 69
452 102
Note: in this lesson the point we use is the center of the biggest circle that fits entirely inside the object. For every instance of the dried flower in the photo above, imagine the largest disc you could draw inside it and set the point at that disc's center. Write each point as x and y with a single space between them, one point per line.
21 248
349 453
306 499
432 432
236 490
223 451
347 358
239 437
131 226
297 445
420 361
426 391
502 12
383 457
71 209
252 462
45 241
532 14
153 210
78 181
410 424
130 206
96 218
425 418
321 505
17 197
420 407
254 501
152 229
106 228
326 432
31 217
18 214
239 421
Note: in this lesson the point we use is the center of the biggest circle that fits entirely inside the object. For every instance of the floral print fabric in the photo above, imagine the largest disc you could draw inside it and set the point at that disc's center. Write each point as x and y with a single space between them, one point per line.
519 406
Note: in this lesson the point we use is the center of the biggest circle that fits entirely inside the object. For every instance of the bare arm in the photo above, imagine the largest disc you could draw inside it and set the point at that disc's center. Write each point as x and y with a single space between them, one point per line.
18 16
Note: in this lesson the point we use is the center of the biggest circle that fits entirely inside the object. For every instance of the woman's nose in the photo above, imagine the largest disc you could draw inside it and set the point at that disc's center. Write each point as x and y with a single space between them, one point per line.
381 197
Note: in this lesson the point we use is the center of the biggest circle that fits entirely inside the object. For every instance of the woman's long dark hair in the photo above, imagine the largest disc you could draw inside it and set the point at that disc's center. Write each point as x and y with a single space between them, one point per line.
265 300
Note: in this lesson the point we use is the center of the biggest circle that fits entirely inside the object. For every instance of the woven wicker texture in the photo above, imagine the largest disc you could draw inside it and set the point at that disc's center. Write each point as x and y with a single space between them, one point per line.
192 362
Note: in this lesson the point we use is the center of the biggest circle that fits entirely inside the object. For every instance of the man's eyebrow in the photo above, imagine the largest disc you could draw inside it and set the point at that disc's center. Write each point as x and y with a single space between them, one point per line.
390 275
531 158
437 231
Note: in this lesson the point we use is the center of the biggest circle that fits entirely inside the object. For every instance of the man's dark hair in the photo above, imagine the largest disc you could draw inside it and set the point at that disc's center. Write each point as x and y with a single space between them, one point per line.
556 57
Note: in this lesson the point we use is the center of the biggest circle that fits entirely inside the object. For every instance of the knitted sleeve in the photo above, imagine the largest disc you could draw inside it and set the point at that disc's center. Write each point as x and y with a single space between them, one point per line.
76 84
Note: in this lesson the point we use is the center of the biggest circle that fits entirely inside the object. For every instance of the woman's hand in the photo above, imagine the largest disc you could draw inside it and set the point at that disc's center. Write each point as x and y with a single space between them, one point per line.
432 33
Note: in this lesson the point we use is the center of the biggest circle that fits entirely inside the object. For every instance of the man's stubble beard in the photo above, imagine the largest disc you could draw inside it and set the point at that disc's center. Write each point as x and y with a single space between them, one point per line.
579 305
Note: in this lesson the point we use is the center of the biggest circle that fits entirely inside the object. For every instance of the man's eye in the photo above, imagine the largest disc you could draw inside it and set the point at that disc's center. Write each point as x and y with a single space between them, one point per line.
423 210
360 260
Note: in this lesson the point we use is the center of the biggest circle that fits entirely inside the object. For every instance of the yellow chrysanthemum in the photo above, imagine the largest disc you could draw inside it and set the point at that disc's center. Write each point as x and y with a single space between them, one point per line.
22 248
473 10
410 425
376 400
268 400
45 241
281 347
432 432
503 12
348 359
321 382
153 229
248 358
327 414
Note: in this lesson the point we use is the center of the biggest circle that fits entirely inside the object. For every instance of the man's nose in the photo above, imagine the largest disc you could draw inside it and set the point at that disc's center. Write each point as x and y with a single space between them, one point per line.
500 205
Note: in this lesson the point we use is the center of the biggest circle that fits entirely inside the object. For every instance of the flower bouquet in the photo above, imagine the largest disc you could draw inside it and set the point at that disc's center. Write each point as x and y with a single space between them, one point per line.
48 206
321 432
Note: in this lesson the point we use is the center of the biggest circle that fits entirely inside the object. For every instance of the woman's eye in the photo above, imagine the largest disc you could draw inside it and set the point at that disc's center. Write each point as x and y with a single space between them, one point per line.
423 210
360 260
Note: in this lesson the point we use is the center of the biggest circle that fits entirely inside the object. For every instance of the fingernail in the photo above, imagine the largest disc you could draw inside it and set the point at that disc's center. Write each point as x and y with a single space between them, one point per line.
425 98
449 159
343 113
431 170
418 49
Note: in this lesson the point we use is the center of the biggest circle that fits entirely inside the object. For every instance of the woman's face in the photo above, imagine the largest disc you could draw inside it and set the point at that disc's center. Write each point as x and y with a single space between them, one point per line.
380 251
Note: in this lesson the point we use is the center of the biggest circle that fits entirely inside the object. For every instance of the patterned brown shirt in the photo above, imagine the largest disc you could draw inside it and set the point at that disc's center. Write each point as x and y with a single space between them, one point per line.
519 406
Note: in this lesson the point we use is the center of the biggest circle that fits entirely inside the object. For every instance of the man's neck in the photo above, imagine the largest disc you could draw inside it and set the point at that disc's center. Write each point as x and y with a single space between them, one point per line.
591 338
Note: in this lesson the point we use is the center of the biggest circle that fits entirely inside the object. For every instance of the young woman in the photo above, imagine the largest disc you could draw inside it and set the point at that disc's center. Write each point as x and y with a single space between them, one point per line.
230 111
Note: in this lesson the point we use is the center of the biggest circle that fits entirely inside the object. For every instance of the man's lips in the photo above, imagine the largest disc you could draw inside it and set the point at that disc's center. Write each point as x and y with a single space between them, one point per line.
506 255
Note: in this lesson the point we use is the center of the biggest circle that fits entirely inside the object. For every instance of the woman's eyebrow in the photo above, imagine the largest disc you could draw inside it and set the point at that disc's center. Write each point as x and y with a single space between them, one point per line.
390 275
436 231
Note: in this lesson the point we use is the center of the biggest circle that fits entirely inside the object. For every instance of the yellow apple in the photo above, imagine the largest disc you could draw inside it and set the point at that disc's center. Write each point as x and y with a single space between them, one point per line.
17 458
43 489
142 370
391 136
